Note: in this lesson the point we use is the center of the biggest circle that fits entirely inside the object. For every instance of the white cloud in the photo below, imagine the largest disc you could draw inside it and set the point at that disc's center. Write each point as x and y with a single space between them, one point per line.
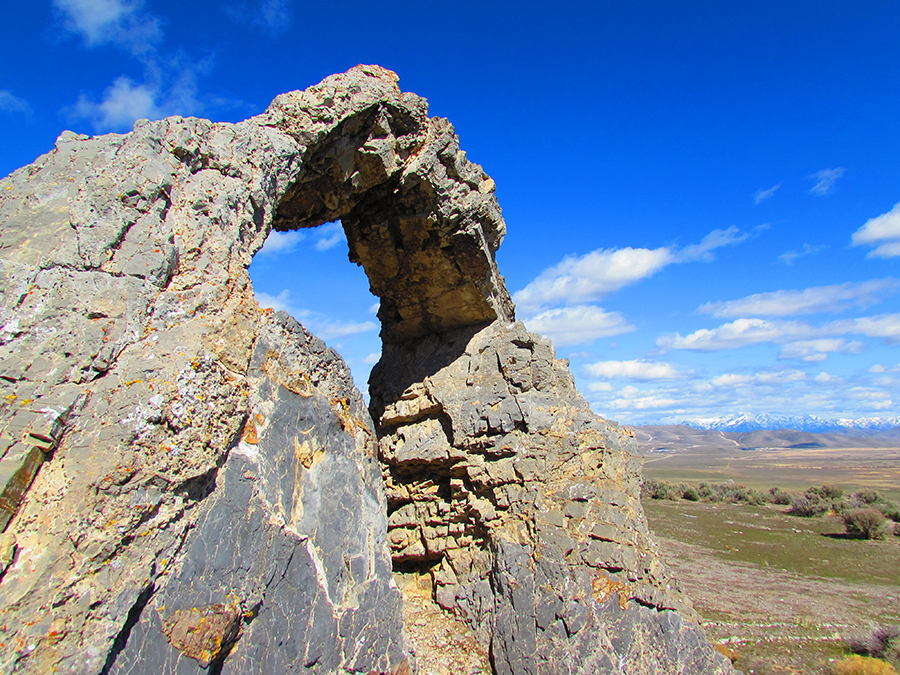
590 277
281 242
372 358
100 22
807 301
745 332
788 257
329 235
762 195
642 403
123 102
10 103
825 180
878 368
323 326
328 329
813 351
170 88
765 377
577 325
885 326
883 230
636 370
740 333
715 239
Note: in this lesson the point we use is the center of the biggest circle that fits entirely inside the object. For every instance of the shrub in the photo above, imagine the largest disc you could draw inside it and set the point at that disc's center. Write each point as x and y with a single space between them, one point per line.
691 494
655 489
881 641
891 510
868 497
779 496
865 523
863 665
831 491
809 506
706 491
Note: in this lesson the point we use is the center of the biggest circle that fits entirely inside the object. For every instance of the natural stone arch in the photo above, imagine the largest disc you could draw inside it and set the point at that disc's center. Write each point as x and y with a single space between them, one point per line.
421 219
185 431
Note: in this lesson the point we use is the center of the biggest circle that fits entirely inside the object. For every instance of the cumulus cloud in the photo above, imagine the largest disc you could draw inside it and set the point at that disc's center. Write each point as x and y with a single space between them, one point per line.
788 257
578 325
100 22
281 242
807 301
762 195
825 180
591 277
10 103
883 232
636 370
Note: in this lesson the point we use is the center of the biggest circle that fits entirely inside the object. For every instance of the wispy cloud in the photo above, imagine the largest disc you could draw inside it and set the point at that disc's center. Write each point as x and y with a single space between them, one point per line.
763 195
882 231
170 88
807 301
101 22
580 324
813 351
636 370
591 277
10 103
321 325
170 80
273 16
788 257
767 377
746 332
825 180
329 235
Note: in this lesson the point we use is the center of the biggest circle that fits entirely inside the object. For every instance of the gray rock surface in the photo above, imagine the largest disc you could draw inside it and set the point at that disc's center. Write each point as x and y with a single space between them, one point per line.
188 483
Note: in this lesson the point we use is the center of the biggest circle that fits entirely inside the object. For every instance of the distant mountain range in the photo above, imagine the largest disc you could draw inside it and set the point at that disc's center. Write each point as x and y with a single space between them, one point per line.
812 423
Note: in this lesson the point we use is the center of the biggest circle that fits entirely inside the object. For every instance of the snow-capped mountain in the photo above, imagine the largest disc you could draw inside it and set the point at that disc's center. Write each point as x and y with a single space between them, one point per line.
744 422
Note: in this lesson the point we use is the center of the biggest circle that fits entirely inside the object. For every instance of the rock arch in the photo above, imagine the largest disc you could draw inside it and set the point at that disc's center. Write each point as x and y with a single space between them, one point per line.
213 489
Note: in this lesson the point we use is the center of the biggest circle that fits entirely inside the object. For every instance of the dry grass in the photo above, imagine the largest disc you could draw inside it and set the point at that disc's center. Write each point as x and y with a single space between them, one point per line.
863 665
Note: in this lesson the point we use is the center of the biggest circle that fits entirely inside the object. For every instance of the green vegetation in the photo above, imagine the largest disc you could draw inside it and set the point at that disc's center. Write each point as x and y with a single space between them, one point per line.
816 501
865 523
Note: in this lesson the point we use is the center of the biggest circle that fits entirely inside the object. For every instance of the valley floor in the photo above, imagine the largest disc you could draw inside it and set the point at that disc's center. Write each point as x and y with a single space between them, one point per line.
779 590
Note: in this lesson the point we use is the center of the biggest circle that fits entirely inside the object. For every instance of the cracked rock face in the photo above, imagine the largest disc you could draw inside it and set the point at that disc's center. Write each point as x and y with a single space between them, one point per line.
190 484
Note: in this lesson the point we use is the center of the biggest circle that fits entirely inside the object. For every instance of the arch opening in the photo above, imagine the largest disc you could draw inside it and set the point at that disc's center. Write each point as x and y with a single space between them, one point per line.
305 273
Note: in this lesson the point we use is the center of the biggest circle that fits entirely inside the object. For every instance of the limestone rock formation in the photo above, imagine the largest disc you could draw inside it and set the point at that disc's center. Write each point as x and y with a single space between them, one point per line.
191 484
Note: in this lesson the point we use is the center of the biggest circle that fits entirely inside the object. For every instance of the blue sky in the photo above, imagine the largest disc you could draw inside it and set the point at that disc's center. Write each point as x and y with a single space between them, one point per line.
700 196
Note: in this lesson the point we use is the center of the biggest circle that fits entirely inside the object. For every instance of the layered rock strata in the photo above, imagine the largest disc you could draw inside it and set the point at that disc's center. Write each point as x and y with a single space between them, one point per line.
189 484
